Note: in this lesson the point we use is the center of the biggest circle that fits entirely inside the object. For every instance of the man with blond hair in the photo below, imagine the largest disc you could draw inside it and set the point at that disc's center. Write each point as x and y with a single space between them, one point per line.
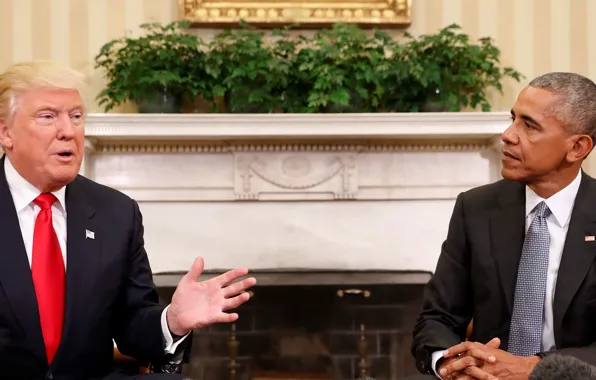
74 274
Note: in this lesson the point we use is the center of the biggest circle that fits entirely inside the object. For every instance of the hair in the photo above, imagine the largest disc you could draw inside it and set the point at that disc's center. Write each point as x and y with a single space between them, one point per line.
30 75
562 367
575 106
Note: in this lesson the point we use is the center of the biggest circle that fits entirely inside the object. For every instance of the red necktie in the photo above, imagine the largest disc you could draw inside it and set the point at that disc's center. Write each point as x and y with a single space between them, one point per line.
47 268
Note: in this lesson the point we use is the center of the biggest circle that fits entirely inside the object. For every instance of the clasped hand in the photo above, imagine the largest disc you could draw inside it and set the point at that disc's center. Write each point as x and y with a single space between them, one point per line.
196 304
473 360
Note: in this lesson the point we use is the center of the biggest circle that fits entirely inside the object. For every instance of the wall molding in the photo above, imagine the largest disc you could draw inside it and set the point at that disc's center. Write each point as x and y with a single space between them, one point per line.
197 147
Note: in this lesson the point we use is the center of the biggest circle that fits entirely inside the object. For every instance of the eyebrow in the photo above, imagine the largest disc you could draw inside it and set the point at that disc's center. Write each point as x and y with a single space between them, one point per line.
78 107
527 118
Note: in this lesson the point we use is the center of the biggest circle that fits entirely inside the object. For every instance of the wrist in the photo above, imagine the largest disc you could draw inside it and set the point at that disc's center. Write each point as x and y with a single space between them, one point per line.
532 361
177 332
173 326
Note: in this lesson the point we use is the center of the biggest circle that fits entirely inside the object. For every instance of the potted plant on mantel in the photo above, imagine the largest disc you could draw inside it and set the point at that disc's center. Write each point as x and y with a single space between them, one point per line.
157 71
340 69
451 72
249 75
346 69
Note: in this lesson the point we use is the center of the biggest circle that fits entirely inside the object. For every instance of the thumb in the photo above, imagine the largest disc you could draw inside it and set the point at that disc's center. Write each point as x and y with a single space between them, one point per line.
494 343
195 270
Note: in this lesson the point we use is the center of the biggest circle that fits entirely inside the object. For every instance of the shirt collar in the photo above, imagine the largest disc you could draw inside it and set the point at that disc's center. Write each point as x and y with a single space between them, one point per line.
24 193
560 204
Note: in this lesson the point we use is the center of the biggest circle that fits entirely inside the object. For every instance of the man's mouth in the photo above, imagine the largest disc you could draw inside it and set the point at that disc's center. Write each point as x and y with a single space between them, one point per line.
65 153
510 155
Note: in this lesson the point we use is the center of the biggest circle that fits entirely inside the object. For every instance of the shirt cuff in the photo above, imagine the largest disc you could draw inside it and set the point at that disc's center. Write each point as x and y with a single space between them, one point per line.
170 344
435 358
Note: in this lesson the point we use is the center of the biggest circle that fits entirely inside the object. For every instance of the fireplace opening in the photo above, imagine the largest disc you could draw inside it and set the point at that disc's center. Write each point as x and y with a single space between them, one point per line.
330 329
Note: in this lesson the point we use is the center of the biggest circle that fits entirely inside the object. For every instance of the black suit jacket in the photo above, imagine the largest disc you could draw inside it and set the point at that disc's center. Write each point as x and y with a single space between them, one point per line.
476 274
109 289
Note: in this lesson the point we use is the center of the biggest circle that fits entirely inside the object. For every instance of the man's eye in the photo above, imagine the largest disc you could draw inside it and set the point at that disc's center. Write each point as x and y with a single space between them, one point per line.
45 118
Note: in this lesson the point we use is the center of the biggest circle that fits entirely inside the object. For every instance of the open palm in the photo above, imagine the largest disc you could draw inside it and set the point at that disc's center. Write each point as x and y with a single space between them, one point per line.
196 304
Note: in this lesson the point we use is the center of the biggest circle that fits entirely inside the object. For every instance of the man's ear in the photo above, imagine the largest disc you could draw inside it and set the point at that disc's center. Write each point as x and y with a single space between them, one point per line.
5 135
582 146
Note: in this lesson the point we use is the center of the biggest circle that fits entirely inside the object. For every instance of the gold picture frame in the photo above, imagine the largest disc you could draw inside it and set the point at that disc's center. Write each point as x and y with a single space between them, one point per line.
303 13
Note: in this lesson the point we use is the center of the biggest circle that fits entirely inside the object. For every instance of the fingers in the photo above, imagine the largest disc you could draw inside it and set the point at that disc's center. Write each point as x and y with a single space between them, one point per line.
229 276
226 318
195 270
464 347
482 354
459 349
461 376
238 287
234 302
479 374
459 365
494 343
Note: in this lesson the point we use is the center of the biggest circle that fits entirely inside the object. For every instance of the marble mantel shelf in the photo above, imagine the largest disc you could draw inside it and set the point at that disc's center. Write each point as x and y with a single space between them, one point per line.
347 192
456 125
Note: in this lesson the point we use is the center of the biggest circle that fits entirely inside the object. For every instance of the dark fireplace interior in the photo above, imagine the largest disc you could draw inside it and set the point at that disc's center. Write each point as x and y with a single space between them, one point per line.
329 329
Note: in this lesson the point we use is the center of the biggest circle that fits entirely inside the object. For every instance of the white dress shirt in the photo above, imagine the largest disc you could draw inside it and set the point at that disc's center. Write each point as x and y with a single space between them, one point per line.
560 205
23 194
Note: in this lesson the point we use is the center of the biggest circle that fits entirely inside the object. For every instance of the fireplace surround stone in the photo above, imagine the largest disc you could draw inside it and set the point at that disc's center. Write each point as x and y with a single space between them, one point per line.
294 192
340 218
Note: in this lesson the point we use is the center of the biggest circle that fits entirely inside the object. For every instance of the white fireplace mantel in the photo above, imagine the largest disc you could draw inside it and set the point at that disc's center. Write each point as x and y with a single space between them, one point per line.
308 126
285 192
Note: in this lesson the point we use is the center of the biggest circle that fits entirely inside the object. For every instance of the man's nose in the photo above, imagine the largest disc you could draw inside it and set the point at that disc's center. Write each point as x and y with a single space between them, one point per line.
509 136
66 128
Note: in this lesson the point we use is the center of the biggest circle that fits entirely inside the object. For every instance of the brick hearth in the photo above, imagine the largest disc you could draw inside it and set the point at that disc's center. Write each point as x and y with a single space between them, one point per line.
310 331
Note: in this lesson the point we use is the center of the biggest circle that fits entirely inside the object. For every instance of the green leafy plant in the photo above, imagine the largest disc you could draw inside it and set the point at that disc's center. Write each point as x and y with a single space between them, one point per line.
294 87
341 70
250 76
449 72
164 64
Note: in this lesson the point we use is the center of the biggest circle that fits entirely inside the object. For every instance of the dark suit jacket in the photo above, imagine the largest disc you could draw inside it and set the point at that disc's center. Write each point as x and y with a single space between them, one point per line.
109 289
477 270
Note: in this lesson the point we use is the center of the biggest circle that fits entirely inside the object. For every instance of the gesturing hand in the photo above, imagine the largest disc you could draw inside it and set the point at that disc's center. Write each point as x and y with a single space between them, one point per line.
199 304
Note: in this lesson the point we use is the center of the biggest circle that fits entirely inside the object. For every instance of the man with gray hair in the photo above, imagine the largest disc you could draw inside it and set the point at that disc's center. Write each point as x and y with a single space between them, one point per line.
519 255
74 274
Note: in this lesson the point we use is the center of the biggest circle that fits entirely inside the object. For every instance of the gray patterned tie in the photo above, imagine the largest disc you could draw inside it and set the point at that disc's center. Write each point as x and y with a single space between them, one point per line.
525 335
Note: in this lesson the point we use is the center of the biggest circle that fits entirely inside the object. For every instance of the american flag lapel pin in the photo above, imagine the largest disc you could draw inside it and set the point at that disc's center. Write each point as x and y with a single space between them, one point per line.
589 238
91 234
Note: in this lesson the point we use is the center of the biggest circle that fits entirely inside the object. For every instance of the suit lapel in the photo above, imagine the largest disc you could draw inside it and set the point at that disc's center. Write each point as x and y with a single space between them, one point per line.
578 254
82 262
15 271
507 236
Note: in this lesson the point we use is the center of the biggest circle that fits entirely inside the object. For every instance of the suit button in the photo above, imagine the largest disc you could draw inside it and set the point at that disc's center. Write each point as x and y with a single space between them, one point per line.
49 376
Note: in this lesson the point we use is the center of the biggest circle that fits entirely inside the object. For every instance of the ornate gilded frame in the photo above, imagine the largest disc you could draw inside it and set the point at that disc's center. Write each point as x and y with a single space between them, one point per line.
305 13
